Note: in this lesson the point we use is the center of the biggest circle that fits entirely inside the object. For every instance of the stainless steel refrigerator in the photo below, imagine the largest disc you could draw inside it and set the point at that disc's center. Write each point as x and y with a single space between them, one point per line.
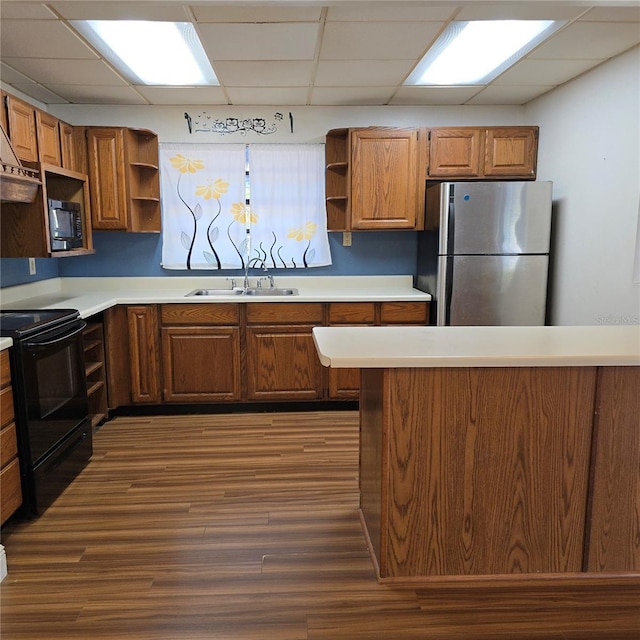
484 254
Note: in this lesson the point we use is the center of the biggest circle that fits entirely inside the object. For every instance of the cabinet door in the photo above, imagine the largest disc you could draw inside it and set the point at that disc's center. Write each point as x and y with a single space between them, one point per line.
387 178
511 151
21 118
68 147
282 364
144 363
107 178
455 153
48 134
345 383
201 364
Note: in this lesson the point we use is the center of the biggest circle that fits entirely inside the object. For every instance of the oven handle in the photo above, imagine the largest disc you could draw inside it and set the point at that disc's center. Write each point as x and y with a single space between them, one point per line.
34 345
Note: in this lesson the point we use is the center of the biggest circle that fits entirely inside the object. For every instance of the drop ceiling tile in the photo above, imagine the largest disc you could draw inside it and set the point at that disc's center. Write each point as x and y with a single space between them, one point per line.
81 94
52 71
183 95
170 11
39 93
259 41
508 94
351 96
271 96
544 72
377 40
390 12
222 13
521 11
41 39
261 73
362 73
10 75
590 41
22 10
434 95
612 14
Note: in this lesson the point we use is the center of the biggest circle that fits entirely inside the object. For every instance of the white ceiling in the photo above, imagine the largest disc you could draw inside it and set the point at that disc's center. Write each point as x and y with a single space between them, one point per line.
304 52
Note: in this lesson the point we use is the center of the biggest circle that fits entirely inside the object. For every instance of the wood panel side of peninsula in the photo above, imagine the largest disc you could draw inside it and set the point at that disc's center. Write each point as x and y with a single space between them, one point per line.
469 474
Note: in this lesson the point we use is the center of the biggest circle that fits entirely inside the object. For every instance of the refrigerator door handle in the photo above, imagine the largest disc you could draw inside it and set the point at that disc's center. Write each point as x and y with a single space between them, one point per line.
443 299
447 219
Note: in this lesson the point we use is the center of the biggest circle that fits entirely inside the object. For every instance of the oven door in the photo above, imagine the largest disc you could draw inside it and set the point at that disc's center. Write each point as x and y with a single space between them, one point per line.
55 386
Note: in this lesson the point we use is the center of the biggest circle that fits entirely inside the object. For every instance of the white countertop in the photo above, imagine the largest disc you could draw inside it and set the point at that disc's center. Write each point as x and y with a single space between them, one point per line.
407 347
93 295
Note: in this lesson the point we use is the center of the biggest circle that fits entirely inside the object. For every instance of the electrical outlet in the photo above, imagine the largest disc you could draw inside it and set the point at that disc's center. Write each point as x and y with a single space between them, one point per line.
346 238
32 266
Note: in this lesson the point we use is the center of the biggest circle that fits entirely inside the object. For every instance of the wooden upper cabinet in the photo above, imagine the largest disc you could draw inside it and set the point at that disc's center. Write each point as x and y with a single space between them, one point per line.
48 135
21 122
455 152
106 178
375 178
124 179
467 153
68 147
511 151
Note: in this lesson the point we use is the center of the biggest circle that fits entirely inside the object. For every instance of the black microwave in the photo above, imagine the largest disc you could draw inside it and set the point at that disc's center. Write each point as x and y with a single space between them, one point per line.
65 225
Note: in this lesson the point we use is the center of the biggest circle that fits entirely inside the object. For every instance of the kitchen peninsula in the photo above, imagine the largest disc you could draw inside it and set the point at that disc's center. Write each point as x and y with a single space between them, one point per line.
497 455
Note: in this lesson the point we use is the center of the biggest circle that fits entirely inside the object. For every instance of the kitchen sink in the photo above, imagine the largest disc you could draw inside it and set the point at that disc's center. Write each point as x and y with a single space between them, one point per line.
254 291
215 292
271 291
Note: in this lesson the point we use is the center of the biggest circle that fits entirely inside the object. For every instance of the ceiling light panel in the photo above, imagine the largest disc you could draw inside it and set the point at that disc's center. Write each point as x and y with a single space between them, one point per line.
469 53
151 52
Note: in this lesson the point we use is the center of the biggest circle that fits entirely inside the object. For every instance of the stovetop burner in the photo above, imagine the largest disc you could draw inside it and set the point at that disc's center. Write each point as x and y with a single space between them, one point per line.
21 322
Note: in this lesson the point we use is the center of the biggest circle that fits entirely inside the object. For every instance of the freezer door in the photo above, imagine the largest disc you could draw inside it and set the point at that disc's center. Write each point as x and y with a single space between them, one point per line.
493 290
498 217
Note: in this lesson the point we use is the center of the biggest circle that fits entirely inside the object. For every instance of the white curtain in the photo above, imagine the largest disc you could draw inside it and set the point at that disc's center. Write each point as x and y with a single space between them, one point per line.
205 219
203 210
288 219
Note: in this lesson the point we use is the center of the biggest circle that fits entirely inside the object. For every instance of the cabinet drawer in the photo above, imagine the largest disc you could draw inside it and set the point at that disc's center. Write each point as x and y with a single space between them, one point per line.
404 313
352 313
5 369
192 314
8 444
6 406
10 491
284 313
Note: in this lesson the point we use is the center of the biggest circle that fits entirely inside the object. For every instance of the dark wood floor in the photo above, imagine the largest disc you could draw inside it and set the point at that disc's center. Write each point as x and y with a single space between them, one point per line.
245 527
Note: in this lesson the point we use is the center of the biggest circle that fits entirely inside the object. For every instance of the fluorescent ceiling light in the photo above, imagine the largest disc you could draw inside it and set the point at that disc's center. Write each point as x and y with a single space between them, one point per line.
153 53
476 52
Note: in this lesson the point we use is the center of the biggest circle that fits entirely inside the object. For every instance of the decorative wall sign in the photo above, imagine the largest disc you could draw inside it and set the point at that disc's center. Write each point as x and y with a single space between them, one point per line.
203 122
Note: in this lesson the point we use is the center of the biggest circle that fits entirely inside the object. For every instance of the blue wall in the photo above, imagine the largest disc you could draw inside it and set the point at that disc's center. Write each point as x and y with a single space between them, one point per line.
139 254
16 270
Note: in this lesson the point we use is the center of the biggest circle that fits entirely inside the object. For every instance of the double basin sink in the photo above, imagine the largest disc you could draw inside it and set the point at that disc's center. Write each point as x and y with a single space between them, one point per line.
252 291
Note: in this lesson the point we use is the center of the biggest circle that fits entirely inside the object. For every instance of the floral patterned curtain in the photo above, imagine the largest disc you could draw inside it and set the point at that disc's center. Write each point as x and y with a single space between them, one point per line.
289 226
205 217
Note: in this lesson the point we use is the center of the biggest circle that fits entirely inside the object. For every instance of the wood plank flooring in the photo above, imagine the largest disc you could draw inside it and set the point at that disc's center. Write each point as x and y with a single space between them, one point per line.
245 527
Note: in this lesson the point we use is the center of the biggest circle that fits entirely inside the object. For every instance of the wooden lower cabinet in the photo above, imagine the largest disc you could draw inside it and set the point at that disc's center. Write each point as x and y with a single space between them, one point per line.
281 360
143 331
229 352
200 352
282 364
10 488
345 383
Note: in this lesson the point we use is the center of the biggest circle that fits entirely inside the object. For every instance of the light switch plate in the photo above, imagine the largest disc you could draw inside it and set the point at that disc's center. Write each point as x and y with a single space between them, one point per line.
32 266
346 238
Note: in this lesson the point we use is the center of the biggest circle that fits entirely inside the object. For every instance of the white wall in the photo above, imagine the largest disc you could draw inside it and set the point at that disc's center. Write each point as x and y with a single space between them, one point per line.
310 124
590 148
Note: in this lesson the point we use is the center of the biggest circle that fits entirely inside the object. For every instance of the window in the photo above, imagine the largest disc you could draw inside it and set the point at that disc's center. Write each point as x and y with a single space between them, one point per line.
213 194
